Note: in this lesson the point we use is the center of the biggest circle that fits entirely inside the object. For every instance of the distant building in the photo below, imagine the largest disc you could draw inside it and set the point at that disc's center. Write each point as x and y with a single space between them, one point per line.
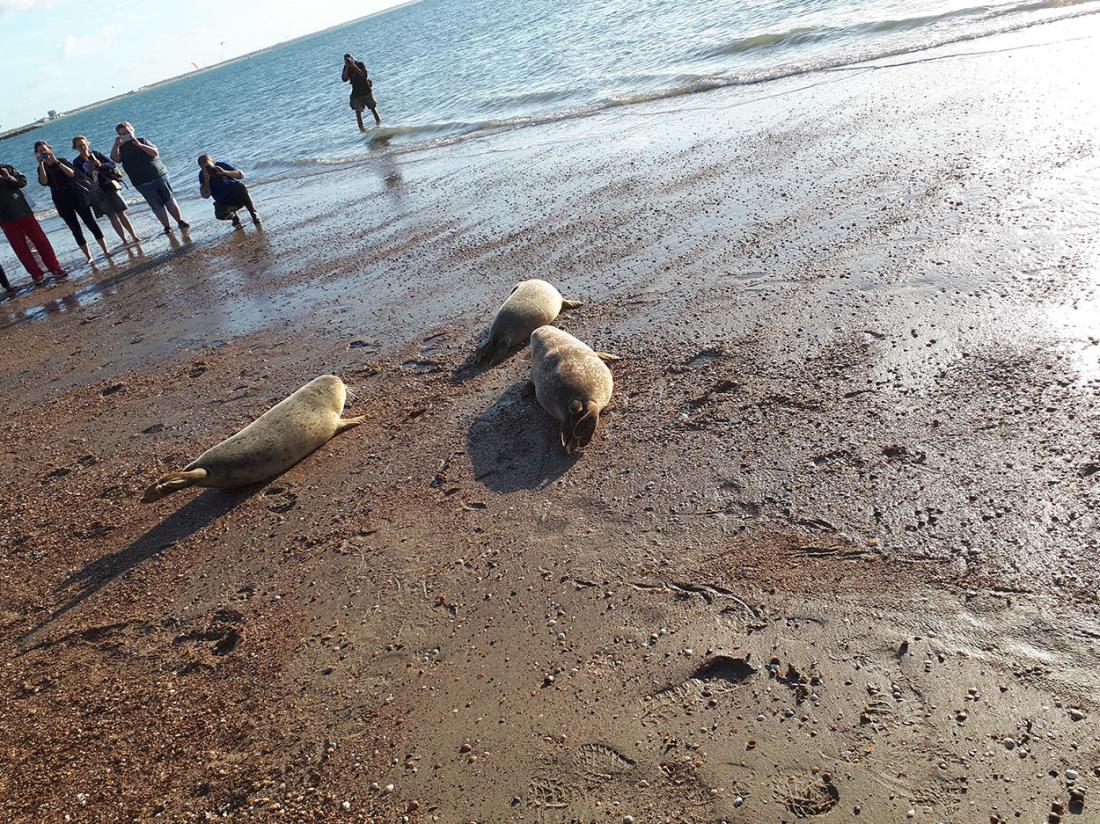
52 114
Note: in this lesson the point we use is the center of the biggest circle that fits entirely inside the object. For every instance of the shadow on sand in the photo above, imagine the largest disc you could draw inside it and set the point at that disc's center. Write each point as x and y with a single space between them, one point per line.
515 445
469 368
184 522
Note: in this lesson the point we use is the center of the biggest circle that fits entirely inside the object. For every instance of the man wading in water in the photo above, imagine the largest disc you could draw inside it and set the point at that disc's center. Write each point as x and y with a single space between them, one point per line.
361 96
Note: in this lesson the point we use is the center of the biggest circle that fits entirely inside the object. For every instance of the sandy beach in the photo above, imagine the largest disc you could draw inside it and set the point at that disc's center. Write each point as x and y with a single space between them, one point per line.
832 554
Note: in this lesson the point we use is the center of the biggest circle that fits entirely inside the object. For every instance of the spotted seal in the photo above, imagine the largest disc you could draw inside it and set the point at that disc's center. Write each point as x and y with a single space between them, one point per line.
572 383
533 303
268 446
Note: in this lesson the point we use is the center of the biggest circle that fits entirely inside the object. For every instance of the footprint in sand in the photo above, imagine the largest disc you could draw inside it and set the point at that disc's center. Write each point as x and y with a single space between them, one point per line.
717 675
812 798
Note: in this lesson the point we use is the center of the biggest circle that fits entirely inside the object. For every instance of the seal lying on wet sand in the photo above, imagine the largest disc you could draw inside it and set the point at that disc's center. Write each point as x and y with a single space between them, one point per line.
269 445
572 383
533 303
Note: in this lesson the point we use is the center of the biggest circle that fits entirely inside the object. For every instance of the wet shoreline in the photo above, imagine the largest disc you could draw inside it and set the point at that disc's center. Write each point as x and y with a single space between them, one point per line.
832 548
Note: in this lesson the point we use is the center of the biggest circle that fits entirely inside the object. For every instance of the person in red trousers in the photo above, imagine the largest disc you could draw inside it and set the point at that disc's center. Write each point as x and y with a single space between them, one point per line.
20 225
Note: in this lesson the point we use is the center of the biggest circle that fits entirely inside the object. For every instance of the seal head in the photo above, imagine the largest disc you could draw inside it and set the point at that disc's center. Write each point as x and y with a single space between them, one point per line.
579 426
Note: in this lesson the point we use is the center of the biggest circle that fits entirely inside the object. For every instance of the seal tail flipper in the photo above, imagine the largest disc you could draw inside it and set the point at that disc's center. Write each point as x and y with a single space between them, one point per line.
172 482
348 423
607 357
571 304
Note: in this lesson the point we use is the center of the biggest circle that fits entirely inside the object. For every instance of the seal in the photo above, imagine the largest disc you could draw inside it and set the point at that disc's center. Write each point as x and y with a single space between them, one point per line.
533 303
270 445
572 383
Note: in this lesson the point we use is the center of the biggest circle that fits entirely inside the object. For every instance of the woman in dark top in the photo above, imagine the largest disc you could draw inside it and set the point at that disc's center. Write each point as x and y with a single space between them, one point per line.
71 193
103 172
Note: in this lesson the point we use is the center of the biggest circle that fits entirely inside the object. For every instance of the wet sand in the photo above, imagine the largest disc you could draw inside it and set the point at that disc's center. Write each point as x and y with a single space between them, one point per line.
832 554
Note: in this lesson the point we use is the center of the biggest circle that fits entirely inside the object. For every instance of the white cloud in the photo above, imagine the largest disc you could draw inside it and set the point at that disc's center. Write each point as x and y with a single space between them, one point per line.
74 46
20 5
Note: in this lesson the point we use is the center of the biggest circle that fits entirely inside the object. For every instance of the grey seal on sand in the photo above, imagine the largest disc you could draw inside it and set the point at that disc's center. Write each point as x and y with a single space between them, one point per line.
533 303
271 444
572 383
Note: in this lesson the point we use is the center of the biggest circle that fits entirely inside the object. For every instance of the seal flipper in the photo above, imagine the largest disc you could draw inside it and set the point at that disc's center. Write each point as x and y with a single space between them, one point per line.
348 423
571 304
172 482
607 357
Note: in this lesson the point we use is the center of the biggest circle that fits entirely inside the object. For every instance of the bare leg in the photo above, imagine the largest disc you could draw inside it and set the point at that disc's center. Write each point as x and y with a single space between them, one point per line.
248 204
84 249
162 216
377 119
103 245
124 219
117 224
359 120
174 209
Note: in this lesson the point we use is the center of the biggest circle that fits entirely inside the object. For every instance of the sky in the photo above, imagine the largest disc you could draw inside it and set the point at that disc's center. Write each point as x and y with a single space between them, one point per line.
62 54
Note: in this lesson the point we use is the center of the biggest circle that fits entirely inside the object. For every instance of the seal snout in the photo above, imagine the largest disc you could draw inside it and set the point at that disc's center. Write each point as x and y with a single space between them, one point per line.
494 352
579 425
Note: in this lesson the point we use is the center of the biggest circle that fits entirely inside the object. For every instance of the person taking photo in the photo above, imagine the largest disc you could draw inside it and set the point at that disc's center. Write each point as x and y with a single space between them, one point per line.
223 182
362 90
104 173
72 194
21 226
141 160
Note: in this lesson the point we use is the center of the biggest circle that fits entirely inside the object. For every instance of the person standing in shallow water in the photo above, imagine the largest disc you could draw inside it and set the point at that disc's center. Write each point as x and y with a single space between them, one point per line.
362 90
20 225
103 172
141 160
70 191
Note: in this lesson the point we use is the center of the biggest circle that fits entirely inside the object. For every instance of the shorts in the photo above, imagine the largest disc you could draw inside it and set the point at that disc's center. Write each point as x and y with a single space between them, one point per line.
157 192
225 211
363 101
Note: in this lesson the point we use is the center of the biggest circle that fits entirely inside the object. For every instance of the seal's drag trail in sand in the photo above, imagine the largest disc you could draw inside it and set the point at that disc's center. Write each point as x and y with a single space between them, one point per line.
833 551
